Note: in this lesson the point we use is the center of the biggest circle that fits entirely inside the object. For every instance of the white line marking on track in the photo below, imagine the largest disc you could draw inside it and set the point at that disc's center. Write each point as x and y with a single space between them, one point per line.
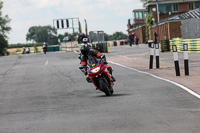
46 63
177 84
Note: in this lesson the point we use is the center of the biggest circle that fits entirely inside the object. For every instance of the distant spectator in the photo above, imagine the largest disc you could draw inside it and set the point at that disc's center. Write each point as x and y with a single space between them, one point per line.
133 36
155 35
84 36
130 37
68 39
28 51
23 50
136 39
80 38
76 38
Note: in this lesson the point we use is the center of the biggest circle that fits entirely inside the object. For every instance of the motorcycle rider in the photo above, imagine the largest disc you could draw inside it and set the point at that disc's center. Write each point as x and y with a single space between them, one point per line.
87 51
44 47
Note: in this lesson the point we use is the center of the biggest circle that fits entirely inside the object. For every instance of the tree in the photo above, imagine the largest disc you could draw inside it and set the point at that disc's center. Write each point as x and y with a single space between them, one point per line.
107 37
3 45
42 34
60 37
115 36
148 23
143 0
66 34
4 30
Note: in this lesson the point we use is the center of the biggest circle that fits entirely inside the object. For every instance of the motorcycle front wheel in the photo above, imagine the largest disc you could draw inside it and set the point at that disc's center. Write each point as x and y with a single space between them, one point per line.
103 86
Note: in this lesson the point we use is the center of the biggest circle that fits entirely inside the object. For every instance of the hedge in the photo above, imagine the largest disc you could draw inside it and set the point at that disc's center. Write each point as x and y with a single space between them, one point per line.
23 45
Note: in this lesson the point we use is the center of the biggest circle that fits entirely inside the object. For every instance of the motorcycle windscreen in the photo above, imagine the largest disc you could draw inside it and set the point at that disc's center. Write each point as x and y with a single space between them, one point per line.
92 62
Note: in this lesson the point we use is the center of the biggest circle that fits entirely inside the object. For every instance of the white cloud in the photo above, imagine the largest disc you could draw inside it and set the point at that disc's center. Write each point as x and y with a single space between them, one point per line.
107 15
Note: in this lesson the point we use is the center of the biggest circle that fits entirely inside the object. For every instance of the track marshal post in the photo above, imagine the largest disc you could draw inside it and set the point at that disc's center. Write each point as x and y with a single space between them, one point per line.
176 63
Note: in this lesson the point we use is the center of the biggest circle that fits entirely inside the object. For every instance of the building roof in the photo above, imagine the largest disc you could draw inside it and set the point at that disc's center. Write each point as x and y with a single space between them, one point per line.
188 15
191 14
194 14
170 18
143 10
153 2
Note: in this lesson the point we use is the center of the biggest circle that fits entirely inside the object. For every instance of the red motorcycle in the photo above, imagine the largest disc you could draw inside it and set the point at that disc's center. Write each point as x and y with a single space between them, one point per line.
99 75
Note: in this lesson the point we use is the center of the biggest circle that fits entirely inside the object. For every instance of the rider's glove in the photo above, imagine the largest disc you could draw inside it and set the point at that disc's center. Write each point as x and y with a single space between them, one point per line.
102 56
79 56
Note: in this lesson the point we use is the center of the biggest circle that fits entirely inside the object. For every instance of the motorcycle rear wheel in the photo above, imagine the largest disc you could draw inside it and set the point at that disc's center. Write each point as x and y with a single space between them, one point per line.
103 86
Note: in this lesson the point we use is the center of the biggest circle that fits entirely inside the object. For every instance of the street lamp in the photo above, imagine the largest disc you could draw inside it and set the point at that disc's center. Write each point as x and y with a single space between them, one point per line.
157 11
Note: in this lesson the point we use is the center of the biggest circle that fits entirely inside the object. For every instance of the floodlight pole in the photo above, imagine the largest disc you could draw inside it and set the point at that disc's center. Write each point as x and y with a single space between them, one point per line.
158 18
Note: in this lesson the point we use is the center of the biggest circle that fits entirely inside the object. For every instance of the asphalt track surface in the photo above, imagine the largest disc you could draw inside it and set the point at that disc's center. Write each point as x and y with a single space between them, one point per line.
49 94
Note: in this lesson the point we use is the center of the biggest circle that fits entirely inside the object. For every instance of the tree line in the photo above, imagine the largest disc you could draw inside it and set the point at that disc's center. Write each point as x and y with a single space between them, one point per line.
49 34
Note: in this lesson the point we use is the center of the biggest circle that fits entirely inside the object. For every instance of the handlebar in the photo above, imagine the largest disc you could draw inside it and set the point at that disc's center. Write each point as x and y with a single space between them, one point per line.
82 67
83 70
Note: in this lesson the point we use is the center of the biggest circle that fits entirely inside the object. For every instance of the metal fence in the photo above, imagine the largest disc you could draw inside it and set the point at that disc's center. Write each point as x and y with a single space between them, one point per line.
97 36
190 28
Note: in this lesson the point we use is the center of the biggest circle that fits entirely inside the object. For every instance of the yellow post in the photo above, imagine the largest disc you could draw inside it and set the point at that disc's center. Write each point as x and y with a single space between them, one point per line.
107 47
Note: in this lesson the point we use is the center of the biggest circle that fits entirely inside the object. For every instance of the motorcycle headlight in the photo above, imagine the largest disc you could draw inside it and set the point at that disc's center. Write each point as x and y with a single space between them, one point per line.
95 70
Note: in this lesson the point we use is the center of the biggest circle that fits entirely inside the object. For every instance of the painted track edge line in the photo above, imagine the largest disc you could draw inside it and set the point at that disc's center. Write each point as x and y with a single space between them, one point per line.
177 84
75 52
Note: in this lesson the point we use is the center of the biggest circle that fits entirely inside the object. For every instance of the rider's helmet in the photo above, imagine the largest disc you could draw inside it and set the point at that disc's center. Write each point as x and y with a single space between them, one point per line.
85 49
85 40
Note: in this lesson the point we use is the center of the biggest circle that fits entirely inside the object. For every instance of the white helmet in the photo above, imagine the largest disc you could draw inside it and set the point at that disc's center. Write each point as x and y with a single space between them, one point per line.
85 40
44 43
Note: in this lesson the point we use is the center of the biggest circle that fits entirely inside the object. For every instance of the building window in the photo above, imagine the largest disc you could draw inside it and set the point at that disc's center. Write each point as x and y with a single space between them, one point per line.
197 4
175 8
145 14
165 8
138 15
191 5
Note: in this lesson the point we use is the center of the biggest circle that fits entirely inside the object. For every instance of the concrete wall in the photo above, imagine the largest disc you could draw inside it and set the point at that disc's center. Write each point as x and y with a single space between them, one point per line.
190 28
70 46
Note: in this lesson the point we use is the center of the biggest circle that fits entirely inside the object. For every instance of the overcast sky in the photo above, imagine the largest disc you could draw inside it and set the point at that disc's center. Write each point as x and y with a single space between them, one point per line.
107 15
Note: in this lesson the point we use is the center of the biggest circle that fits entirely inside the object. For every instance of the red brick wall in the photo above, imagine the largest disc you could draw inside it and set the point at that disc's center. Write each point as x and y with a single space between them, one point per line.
175 29
138 22
183 7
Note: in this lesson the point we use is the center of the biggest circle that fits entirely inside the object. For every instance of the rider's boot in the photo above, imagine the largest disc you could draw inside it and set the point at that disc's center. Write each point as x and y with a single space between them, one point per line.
110 70
113 78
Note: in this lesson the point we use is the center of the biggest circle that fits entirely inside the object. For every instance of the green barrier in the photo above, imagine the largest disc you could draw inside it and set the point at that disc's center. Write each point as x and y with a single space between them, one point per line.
53 48
165 46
